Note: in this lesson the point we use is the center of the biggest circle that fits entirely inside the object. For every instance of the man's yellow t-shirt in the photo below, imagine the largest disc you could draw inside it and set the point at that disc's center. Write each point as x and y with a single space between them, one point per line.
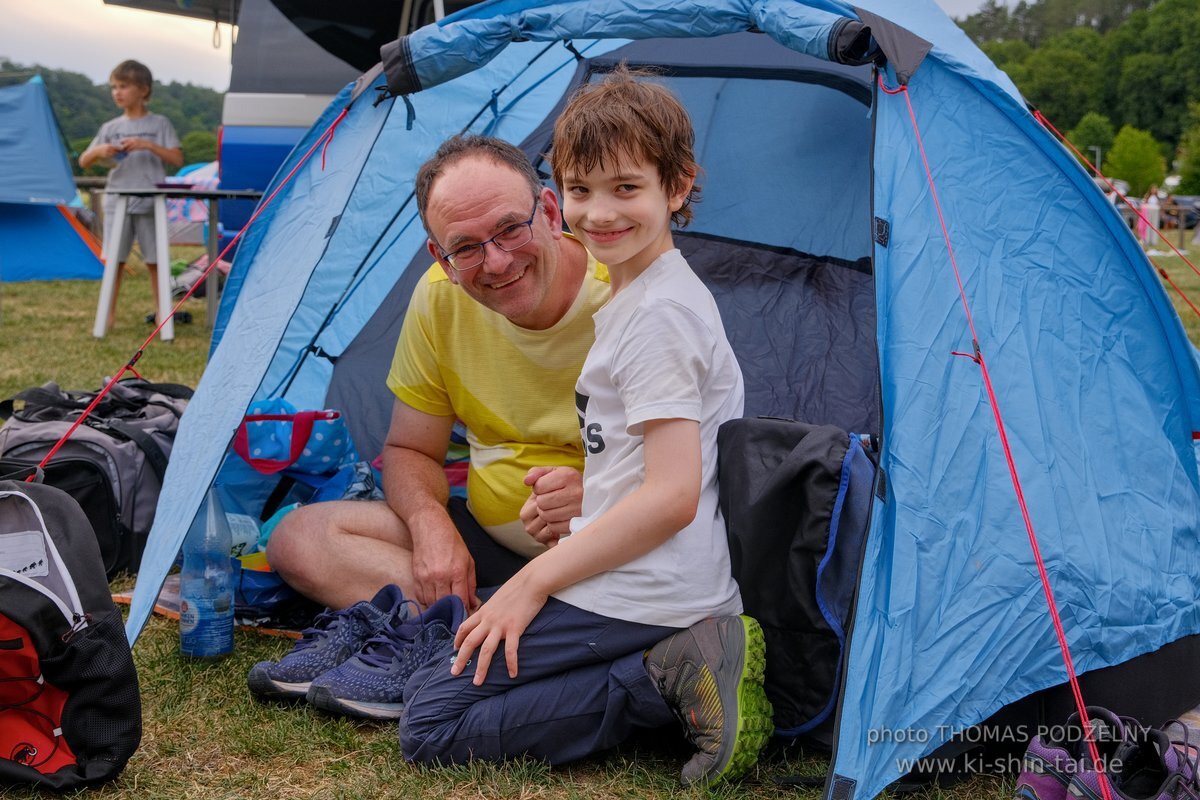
513 389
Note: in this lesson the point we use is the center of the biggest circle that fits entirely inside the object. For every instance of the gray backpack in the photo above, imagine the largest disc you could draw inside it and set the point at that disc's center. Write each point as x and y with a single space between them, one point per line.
113 464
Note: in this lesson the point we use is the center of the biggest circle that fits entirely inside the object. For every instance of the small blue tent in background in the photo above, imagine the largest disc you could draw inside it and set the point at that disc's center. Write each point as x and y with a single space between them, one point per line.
39 238
820 239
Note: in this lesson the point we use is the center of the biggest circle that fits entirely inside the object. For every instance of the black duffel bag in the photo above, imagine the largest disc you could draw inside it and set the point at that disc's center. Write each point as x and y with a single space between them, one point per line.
113 464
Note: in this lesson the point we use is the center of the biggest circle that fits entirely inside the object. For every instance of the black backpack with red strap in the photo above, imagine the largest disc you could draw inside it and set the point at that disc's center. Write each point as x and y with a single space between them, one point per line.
70 712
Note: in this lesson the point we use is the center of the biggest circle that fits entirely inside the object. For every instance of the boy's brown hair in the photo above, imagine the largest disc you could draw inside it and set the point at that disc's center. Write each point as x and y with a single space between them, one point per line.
622 119
134 72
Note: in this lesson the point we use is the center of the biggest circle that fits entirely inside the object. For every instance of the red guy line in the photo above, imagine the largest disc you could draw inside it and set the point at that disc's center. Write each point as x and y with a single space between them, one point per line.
1012 467
1046 123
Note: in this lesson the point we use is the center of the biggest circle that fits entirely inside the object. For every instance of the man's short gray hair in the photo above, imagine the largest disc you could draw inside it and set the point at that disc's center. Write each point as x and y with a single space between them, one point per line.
455 149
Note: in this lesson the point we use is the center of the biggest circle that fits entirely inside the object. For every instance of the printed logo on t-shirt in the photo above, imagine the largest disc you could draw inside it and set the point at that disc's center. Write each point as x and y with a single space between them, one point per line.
127 134
593 442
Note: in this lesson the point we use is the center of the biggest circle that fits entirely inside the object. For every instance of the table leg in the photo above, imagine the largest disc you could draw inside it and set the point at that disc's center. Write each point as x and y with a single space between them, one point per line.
112 245
164 268
212 287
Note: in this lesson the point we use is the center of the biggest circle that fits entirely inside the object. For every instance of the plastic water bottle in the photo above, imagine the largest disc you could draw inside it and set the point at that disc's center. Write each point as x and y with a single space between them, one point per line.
206 586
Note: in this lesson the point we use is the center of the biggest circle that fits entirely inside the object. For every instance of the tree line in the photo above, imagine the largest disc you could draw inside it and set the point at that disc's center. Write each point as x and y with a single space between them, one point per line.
82 106
1120 77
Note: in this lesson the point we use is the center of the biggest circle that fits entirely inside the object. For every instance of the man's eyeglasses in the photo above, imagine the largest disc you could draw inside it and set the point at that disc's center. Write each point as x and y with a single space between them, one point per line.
509 239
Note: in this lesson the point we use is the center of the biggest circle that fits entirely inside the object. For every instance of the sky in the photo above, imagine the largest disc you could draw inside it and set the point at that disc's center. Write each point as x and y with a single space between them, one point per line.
90 37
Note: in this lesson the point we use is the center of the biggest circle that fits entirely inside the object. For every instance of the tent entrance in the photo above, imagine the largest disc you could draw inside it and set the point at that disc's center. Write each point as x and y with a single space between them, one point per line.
782 235
802 326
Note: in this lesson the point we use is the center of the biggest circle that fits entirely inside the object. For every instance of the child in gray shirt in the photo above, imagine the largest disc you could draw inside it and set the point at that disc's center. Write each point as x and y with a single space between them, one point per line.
139 144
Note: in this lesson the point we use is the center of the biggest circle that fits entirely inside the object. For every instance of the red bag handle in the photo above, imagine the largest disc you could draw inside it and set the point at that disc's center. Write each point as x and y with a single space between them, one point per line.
302 425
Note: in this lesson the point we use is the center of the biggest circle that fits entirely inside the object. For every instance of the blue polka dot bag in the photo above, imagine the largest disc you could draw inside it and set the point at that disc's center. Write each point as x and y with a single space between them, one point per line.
275 436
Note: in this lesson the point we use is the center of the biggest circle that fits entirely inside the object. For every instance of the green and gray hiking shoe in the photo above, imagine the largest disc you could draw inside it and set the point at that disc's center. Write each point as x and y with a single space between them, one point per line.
711 676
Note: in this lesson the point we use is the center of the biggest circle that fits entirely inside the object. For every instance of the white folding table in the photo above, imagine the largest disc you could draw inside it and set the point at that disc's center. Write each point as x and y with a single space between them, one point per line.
163 256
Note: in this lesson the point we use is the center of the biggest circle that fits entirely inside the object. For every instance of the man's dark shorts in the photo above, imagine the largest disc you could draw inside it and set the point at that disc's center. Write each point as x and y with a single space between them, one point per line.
494 563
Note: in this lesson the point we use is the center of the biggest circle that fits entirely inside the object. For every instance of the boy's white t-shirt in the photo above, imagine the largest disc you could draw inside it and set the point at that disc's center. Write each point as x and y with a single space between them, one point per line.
660 353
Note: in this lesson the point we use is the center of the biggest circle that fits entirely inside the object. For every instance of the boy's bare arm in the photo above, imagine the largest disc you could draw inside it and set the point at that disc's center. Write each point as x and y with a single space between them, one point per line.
96 153
662 506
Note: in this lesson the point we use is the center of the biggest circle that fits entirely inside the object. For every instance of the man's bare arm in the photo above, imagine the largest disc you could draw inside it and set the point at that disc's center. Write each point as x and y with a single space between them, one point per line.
416 490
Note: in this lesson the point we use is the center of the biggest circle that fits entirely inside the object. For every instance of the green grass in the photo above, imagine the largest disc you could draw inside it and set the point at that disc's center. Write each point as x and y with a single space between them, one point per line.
1183 276
46 334
205 738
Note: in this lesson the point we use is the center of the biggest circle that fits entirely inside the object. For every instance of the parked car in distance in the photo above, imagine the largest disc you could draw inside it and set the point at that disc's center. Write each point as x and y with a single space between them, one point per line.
1122 186
1182 205
1126 210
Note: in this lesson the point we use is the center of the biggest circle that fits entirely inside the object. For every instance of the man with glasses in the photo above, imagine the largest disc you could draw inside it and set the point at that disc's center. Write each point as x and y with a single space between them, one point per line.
495 336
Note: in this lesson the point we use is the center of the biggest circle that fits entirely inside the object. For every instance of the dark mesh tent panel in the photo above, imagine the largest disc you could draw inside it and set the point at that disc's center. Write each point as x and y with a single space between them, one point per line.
803 329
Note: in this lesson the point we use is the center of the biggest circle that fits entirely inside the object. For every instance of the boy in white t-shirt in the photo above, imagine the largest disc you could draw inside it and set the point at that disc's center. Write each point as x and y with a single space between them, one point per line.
634 616
139 144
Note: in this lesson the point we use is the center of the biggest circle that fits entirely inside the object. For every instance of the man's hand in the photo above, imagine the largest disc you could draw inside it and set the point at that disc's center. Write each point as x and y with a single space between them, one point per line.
415 487
441 565
556 498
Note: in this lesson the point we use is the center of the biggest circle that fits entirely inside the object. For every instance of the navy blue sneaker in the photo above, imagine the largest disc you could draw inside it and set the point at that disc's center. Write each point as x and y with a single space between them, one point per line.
334 637
370 684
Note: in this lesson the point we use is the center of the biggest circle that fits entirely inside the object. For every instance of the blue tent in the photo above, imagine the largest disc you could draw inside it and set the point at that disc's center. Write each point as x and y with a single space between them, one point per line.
820 238
38 238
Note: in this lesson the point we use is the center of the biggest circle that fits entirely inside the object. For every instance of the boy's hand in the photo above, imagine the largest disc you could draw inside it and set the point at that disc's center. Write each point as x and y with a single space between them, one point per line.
108 150
130 144
557 497
503 618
